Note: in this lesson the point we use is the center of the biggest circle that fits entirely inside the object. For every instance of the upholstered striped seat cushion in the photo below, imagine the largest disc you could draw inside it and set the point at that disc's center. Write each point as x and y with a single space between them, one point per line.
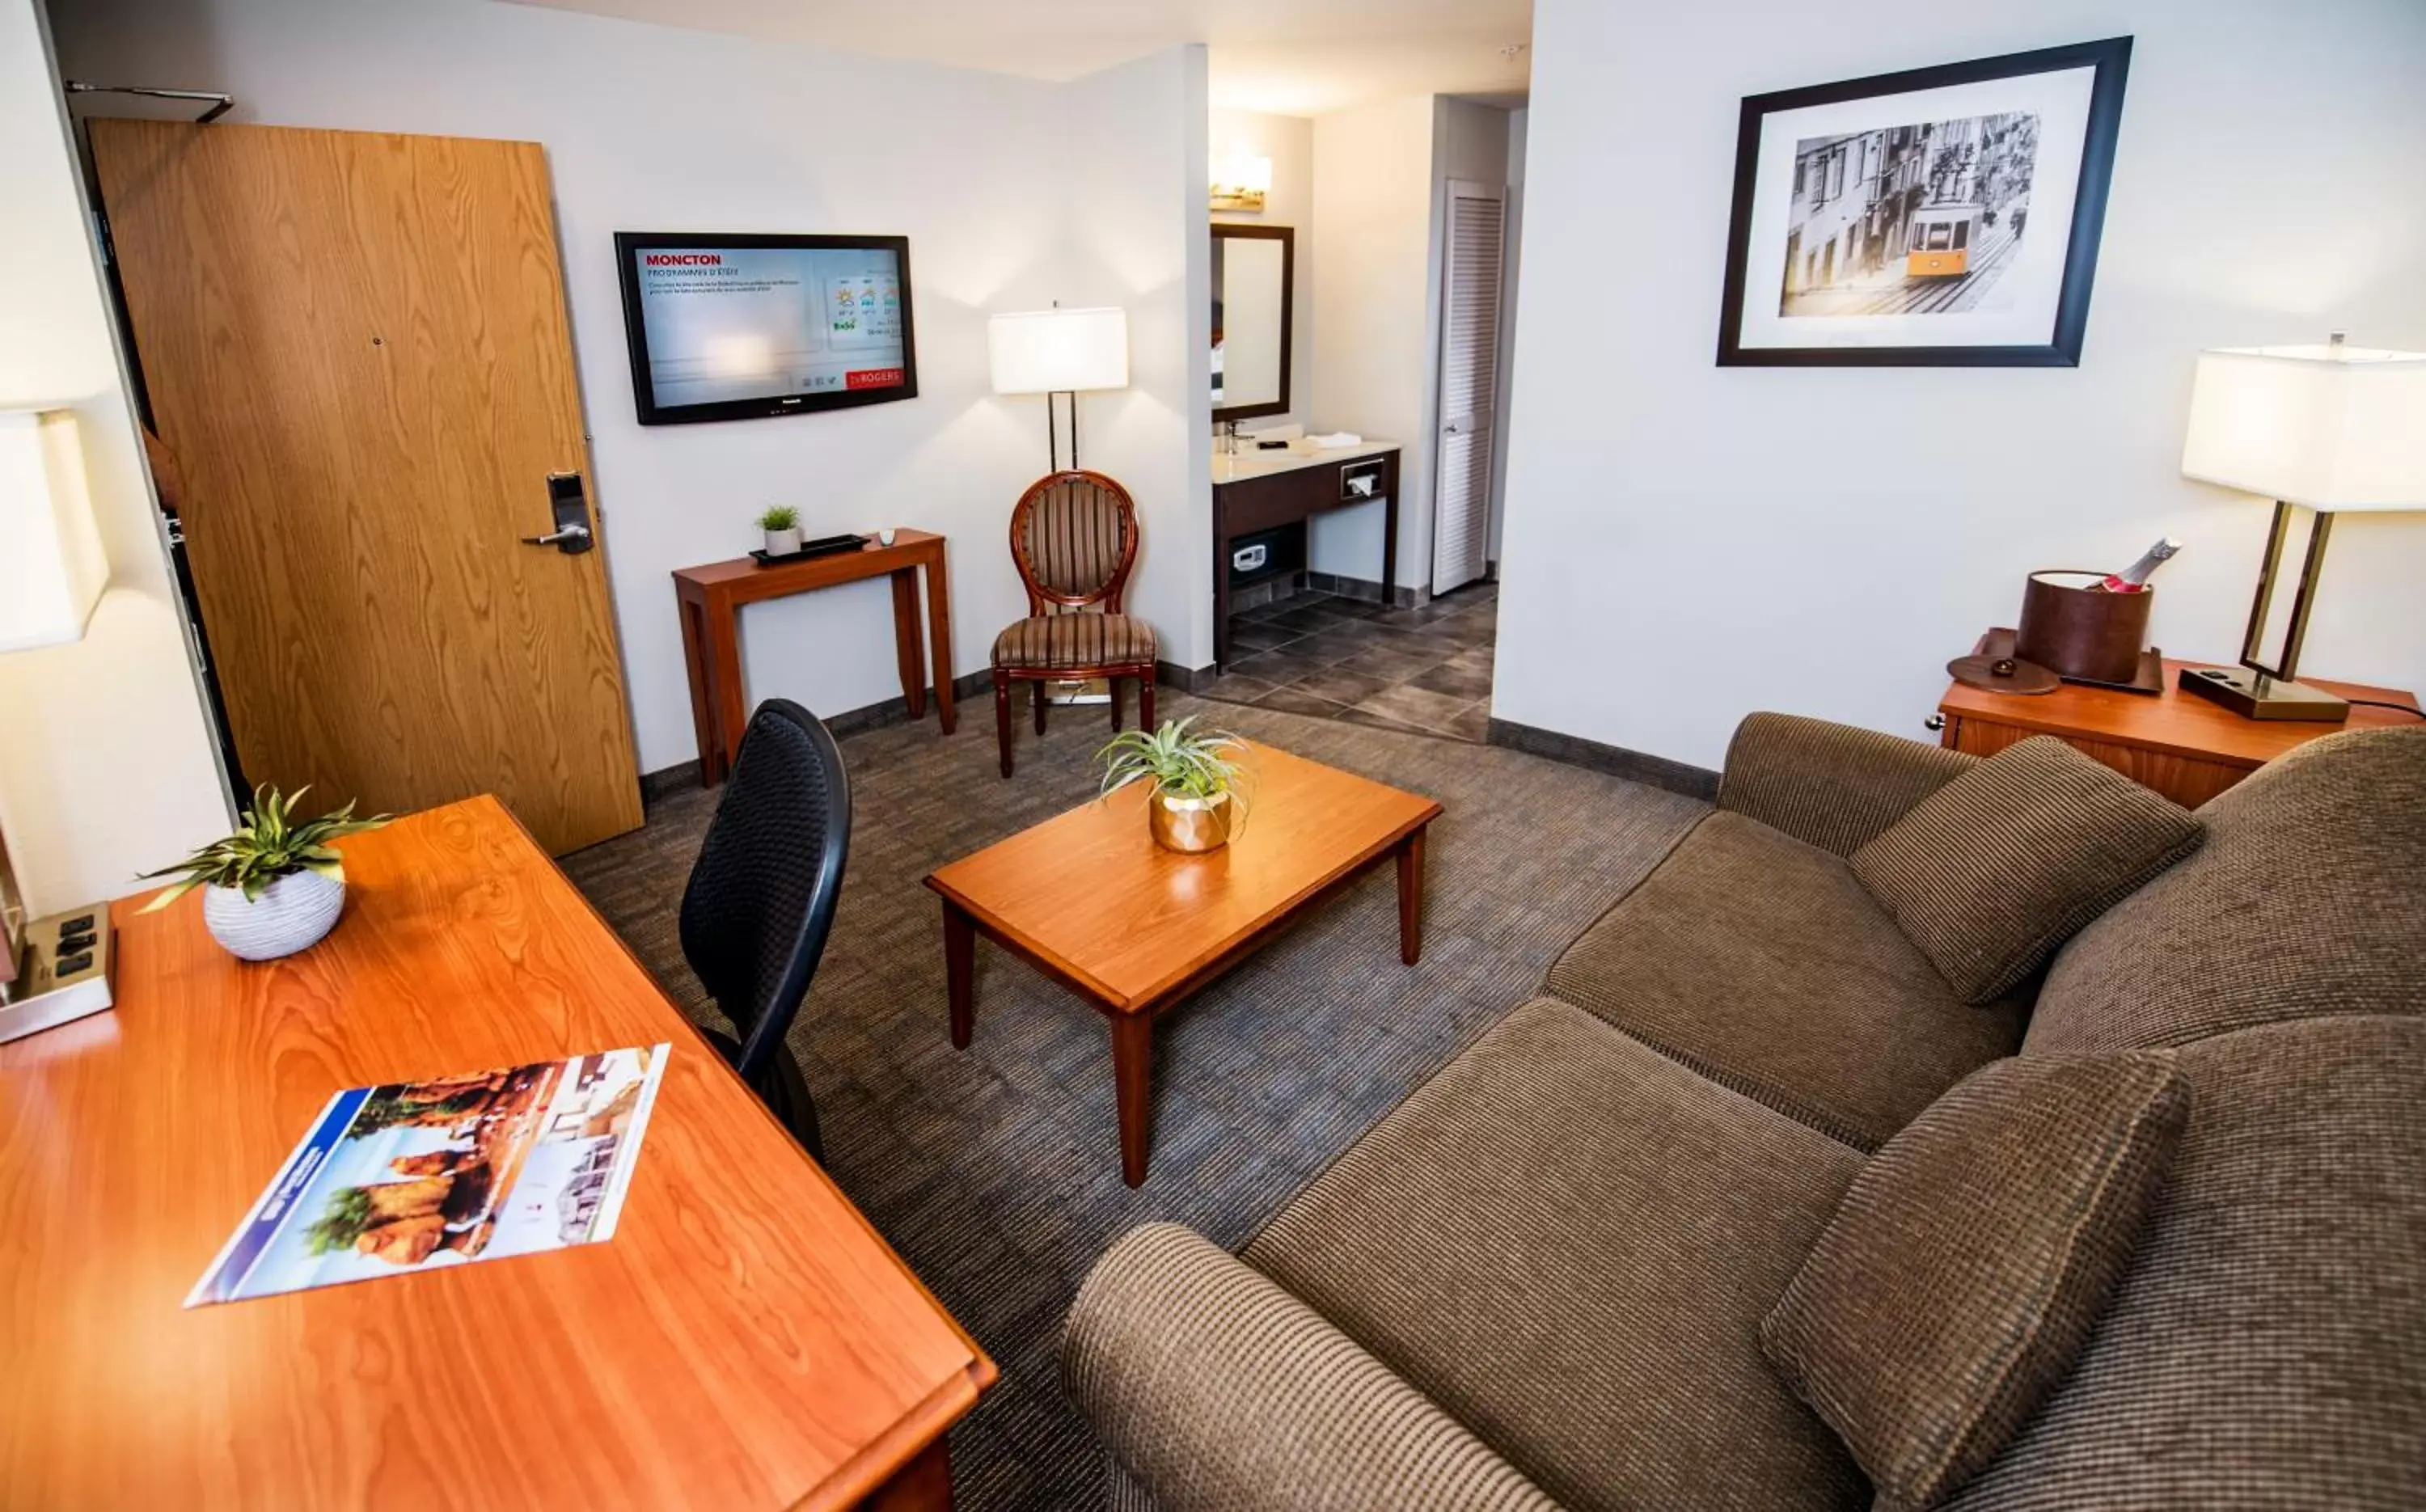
1074 640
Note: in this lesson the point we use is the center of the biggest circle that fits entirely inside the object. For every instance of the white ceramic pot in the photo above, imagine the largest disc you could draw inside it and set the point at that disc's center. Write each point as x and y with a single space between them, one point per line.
782 542
291 914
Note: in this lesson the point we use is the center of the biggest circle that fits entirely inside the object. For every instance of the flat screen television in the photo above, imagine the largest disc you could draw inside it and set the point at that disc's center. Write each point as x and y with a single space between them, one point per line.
739 327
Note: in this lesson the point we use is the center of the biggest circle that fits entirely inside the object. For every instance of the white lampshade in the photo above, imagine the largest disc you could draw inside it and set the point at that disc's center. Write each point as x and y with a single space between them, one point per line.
2331 427
52 570
1054 351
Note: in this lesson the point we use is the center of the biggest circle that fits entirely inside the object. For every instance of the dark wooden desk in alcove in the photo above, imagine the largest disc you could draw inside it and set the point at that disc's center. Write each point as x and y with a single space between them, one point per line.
1258 490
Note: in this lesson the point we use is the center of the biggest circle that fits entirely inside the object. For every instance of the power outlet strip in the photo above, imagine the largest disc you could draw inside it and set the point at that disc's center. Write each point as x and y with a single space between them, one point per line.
62 972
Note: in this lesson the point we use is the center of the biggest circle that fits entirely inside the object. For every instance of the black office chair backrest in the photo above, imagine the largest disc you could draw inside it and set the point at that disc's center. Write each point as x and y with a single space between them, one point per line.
762 893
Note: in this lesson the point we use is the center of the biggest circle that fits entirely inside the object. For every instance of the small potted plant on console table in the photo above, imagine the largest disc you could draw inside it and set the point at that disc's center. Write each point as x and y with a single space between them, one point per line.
1198 799
782 524
274 887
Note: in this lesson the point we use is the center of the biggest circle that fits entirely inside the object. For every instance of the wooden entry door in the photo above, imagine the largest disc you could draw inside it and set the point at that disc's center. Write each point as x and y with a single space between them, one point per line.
356 347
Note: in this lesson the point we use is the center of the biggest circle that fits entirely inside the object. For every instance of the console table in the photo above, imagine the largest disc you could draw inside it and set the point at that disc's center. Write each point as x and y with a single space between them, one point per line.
710 600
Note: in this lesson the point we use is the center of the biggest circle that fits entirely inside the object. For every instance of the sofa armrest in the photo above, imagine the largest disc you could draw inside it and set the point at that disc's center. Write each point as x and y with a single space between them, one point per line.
1215 1390
1829 785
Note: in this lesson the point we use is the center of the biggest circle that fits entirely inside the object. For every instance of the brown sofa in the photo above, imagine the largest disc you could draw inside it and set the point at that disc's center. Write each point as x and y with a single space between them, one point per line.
1540 1281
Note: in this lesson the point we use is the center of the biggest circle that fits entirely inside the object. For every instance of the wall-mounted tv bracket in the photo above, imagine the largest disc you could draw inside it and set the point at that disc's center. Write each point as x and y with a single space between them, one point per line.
219 103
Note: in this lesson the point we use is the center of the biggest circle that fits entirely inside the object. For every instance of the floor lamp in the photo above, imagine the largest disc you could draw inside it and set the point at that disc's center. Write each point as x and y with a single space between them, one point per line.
1059 352
52 572
2321 430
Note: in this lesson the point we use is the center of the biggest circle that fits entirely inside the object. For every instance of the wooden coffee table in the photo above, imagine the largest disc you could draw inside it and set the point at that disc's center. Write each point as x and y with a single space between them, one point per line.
1089 900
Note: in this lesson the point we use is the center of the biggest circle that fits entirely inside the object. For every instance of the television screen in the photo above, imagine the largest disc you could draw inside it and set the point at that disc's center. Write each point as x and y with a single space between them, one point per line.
731 328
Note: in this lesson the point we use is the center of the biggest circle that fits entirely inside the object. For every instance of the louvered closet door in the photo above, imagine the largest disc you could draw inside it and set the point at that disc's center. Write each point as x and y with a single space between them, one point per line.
1469 398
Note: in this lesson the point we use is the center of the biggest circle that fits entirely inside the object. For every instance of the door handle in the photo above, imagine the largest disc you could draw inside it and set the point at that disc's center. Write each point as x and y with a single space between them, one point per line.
572 534
570 540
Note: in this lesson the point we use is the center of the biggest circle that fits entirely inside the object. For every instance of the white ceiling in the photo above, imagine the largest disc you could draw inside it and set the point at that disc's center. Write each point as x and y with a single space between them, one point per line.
1294 56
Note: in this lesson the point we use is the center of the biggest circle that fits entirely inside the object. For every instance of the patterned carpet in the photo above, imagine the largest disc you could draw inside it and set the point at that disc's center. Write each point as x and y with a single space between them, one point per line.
996 1172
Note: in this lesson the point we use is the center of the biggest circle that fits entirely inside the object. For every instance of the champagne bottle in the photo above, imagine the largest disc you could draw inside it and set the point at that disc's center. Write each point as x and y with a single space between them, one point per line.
2134 578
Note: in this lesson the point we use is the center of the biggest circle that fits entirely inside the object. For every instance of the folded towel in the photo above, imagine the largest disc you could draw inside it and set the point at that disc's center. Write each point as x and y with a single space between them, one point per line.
1336 440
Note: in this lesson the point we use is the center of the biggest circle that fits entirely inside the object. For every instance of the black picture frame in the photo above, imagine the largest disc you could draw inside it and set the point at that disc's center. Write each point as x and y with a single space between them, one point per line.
636 333
2111 58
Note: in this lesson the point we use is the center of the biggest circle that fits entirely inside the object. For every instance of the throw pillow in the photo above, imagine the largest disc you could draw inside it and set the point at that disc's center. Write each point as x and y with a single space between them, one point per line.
1970 1258
1991 874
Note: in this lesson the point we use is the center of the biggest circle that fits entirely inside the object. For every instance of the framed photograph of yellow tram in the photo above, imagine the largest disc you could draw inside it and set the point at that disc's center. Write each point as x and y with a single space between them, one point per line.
1944 216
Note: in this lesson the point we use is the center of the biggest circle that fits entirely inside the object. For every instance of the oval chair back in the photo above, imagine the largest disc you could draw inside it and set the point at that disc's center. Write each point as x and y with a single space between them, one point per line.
762 894
1074 534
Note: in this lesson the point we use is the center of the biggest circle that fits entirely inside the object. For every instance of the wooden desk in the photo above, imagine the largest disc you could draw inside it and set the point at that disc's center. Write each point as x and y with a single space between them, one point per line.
745 1340
2183 746
710 600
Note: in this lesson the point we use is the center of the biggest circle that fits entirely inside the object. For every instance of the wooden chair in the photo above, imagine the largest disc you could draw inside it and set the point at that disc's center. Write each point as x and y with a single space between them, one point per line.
1074 534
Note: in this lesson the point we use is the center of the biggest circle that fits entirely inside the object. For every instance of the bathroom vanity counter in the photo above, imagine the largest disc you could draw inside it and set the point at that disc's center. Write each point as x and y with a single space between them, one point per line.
1256 491
1249 463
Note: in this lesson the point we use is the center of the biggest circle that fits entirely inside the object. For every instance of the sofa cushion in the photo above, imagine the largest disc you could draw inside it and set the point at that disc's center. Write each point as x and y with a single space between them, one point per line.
1567 1241
1994 871
2308 897
2266 1347
1762 962
1968 1263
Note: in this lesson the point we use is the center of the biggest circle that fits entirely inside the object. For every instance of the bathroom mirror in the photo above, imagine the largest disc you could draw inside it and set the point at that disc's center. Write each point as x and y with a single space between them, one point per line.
1254 297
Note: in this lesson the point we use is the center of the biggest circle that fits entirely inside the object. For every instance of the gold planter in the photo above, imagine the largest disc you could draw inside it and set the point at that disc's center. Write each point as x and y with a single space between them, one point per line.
1189 825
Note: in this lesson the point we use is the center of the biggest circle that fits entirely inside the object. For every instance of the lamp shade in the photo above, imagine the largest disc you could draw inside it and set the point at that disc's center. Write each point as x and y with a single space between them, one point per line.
1055 351
2331 427
52 570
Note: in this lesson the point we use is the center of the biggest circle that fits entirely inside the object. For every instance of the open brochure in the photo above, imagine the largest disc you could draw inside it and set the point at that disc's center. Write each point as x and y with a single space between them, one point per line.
418 1176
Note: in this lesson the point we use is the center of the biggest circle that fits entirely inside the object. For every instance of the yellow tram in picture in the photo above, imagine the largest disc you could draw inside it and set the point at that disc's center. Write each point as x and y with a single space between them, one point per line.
1940 239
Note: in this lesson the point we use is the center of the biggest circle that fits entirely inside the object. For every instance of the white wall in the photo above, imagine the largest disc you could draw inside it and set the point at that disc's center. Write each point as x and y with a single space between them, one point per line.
1380 178
999 183
1138 235
1685 542
1288 141
1510 270
1376 318
107 766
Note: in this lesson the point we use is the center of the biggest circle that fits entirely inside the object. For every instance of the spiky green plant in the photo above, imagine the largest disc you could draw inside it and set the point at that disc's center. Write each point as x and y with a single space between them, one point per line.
268 844
779 517
1179 763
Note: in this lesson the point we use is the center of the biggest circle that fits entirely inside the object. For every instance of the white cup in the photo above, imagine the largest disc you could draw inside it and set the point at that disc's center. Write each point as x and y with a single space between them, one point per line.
884 536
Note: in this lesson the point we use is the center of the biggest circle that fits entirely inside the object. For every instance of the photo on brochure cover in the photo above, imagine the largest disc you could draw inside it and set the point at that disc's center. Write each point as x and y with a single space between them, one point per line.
420 1176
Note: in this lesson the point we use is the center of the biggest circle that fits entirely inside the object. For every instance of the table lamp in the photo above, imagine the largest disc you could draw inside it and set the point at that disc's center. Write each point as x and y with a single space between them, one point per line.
1060 351
2321 430
52 572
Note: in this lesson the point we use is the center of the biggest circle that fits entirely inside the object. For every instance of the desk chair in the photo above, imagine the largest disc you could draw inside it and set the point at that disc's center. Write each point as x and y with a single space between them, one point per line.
1073 535
762 895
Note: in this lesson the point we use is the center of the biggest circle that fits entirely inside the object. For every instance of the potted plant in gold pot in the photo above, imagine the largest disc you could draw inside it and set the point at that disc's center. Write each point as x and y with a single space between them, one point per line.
1198 799
273 887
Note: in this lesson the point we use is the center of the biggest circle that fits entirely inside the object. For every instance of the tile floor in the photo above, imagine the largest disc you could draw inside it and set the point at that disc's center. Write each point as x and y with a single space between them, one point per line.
1427 671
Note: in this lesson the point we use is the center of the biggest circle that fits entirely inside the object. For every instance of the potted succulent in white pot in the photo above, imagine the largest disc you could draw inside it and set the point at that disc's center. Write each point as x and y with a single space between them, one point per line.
1199 798
275 886
782 526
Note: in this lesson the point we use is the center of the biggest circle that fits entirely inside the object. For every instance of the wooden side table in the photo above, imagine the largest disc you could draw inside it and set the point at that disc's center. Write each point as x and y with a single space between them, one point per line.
2182 746
710 600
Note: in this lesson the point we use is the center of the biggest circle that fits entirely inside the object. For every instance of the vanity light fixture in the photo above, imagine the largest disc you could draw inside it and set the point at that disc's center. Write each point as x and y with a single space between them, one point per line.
1240 181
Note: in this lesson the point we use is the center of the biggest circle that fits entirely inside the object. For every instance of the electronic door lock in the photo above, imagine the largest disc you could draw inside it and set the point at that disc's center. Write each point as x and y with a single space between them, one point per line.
572 534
